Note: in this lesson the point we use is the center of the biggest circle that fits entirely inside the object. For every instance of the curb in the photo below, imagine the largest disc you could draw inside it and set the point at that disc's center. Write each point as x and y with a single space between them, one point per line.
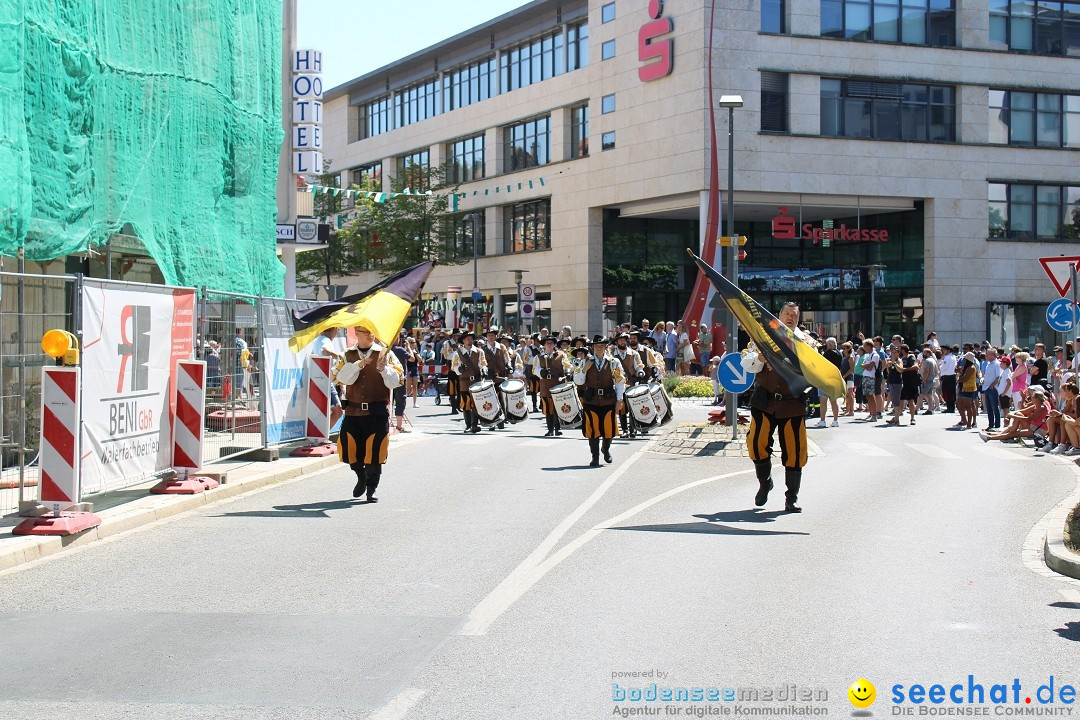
1056 556
15 551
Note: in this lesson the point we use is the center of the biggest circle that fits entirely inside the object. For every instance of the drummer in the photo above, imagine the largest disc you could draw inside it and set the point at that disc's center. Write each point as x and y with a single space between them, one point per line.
529 353
470 365
515 364
602 381
578 356
551 367
498 372
449 349
654 361
634 372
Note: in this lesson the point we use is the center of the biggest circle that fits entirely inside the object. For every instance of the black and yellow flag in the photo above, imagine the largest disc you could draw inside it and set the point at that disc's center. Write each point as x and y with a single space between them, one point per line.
382 309
796 361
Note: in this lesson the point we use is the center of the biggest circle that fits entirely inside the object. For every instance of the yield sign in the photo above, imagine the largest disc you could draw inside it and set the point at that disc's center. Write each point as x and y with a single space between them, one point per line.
1058 269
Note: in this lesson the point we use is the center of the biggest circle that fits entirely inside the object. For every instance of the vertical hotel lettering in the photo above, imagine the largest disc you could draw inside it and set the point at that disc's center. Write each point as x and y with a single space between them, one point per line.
656 55
307 112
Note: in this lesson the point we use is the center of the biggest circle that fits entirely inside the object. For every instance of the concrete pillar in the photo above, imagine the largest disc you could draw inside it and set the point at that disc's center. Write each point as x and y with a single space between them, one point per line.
493 152
389 172
973 24
804 104
560 134
804 17
972 114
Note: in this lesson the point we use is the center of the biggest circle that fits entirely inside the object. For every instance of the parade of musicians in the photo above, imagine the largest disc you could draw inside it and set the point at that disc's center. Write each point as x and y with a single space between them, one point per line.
539 359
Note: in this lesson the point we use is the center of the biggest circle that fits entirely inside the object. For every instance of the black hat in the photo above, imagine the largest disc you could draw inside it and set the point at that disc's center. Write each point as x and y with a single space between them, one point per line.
455 331
650 339
581 339
634 332
600 340
583 350
535 336
492 330
551 339
559 341
504 336
621 336
468 333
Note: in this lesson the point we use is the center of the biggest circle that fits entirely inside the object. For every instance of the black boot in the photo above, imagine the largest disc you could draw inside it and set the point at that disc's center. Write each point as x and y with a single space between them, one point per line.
467 417
793 479
624 426
374 472
594 447
361 479
556 424
607 450
550 426
763 468
455 404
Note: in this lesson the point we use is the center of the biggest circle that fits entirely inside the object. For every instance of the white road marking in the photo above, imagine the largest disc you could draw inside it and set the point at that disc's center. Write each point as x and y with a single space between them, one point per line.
399 706
933 451
529 572
541 442
476 440
1000 453
868 450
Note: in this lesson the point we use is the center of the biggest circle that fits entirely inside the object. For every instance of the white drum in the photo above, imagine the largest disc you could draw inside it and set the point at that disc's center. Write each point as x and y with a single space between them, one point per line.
513 391
661 401
486 400
639 399
567 405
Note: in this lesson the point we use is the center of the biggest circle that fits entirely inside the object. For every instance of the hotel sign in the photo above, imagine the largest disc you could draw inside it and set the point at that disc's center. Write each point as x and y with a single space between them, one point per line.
784 228
655 55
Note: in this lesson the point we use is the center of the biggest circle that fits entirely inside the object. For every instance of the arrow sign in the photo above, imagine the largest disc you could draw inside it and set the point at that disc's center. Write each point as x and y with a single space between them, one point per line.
1062 315
1058 270
732 375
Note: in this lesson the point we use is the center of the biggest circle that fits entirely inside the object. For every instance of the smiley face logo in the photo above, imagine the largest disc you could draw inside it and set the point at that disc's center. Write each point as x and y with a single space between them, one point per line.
862 693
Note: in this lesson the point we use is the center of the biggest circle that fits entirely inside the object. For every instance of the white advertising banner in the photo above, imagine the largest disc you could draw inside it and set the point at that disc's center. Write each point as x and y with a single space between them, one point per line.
286 402
132 340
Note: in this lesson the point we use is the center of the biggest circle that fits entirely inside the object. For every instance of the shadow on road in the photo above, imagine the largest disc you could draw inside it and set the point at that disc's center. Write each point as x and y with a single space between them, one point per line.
306 510
1071 631
570 467
705 528
754 515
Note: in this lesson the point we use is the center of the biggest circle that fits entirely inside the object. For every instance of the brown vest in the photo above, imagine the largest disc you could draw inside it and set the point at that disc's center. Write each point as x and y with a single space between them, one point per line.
496 360
369 389
772 395
469 369
629 367
554 363
600 381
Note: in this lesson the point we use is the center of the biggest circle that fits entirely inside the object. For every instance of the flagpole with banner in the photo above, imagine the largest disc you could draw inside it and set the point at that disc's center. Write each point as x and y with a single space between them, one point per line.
787 351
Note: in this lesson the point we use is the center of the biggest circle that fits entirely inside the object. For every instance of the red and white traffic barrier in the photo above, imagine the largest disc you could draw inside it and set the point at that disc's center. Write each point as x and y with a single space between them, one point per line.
59 456
187 428
317 420
434 369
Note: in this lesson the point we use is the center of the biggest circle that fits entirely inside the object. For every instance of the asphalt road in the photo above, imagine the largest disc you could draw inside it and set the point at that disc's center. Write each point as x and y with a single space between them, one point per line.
501 578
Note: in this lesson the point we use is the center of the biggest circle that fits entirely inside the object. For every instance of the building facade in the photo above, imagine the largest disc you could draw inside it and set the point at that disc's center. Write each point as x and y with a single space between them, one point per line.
930 143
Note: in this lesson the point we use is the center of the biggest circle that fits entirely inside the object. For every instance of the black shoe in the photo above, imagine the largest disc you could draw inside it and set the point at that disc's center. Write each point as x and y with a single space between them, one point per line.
371 497
763 494
623 436
454 412
558 432
549 433
359 489
475 429
502 426
633 435
595 462
607 457
792 508
466 431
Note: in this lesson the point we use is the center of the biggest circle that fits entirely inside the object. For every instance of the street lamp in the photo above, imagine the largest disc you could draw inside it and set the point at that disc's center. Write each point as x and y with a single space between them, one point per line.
872 274
517 279
471 225
731 102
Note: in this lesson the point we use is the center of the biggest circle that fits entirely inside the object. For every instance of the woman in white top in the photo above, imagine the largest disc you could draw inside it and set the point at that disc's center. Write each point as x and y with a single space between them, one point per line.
684 350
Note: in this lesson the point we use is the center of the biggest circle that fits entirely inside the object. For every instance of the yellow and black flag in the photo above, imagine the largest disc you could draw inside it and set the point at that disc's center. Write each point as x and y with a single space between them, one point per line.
382 309
799 364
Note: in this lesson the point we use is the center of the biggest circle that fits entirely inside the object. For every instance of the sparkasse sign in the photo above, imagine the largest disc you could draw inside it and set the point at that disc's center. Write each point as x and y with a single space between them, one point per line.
784 228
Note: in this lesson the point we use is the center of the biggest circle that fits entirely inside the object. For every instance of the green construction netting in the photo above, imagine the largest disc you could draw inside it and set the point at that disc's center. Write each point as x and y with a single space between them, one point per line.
165 114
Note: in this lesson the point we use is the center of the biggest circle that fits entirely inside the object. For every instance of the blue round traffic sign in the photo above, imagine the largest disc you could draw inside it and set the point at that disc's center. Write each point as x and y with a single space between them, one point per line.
1062 315
732 375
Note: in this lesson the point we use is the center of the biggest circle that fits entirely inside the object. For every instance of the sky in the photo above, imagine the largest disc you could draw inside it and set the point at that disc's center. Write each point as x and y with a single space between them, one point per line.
358 36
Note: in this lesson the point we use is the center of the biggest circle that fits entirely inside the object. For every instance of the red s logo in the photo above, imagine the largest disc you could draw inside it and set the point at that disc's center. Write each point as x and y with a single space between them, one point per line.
783 227
658 55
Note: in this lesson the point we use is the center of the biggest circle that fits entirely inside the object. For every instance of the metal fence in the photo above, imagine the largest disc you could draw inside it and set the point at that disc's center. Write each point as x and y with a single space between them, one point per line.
229 336
29 306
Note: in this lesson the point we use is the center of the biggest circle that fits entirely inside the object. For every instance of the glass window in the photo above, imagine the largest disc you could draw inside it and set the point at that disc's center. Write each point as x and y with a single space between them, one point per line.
1048 212
887 110
527 144
607 50
468 84
607 141
466 160
579 131
607 104
607 12
368 177
999 117
542 58
913 22
1071 122
376 117
412 169
1026 118
528 226
468 236
772 16
774 102
417 103
1047 27
999 210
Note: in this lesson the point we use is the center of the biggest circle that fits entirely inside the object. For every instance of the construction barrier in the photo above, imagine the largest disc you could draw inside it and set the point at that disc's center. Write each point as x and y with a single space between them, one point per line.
318 409
188 426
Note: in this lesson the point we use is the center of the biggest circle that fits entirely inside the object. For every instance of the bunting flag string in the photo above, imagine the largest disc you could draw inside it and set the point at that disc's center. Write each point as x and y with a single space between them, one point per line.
455 198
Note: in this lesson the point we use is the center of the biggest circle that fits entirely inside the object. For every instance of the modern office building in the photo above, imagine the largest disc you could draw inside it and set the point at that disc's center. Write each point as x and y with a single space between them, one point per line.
933 139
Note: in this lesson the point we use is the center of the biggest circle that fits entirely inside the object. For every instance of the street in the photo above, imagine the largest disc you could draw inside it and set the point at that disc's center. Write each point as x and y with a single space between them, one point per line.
499 577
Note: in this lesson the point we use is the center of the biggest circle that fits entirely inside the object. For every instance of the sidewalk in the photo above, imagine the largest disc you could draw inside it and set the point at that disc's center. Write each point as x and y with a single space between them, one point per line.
132 507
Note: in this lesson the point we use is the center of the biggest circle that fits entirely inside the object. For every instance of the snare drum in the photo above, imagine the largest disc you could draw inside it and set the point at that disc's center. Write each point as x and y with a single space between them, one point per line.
513 391
641 404
567 406
661 401
486 400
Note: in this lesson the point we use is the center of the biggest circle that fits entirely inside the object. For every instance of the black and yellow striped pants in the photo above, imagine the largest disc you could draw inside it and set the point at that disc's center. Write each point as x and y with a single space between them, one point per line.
792 433
364 439
453 385
599 422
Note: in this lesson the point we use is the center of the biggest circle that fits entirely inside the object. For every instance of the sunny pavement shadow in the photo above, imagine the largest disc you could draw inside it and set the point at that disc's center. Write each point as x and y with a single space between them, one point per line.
753 515
704 528
306 510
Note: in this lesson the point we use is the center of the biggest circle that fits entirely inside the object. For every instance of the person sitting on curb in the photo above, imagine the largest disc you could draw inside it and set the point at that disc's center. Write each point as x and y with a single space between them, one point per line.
1063 426
1027 421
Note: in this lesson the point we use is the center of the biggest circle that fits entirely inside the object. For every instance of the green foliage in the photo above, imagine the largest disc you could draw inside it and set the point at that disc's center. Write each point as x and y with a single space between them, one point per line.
670 382
686 387
395 234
